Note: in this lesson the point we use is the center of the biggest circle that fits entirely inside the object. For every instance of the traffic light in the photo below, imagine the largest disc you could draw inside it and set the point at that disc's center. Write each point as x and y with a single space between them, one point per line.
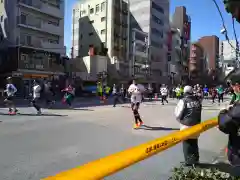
233 7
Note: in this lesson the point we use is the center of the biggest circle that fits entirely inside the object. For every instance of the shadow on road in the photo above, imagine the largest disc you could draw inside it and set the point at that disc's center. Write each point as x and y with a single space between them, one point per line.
67 108
145 127
31 114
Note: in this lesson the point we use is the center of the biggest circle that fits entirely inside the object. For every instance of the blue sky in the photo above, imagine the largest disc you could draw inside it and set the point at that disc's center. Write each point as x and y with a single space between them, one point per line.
205 18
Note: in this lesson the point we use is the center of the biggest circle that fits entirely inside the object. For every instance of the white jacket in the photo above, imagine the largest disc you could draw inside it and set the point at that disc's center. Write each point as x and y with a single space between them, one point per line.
36 91
164 91
136 92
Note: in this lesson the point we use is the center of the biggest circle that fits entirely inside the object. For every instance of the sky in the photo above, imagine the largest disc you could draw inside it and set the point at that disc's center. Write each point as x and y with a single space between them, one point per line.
204 15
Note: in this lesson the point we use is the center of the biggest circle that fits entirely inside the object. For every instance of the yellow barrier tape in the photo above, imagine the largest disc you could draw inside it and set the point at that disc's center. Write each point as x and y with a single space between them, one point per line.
106 166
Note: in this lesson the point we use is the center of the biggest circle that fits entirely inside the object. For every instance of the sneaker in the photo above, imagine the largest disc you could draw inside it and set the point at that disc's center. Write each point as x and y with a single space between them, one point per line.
136 126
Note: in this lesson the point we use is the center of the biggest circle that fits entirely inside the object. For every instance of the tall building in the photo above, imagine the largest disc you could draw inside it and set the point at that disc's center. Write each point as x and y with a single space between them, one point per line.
181 21
197 64
175 55
210 45
34 37
152 17
99 25
34 41
228 55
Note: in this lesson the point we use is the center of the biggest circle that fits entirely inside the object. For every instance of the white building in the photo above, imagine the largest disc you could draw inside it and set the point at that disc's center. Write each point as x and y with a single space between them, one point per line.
139 54
152 17
99 24
228 56
33 34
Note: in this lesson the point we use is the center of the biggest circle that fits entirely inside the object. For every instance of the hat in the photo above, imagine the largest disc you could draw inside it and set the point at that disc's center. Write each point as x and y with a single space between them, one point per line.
8 78
188 89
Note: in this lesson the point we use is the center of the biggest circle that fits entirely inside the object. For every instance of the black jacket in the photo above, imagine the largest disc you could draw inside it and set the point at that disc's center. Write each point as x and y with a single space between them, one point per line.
229 123
192 110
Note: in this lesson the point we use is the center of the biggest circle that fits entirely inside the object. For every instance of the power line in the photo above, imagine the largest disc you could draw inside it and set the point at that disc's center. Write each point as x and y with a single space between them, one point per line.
235 35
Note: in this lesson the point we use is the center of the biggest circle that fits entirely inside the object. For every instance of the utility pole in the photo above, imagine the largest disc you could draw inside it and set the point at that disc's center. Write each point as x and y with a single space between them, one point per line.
71 63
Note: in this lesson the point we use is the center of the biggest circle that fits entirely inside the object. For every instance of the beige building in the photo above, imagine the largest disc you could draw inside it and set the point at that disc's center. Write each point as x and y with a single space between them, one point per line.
99 24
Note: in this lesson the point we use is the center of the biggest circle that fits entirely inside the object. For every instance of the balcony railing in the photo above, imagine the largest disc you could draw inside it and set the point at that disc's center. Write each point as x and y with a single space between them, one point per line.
43 8
41 26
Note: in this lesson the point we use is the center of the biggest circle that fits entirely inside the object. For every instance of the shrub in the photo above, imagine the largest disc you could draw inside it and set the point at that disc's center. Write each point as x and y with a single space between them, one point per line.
183 173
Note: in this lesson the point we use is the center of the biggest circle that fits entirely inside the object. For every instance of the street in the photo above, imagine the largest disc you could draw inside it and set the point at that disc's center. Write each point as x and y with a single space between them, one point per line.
33 147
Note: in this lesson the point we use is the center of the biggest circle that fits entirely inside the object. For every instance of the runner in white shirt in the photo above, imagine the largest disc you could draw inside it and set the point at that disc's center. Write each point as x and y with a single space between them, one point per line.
10 92
136 91
164 93
36 96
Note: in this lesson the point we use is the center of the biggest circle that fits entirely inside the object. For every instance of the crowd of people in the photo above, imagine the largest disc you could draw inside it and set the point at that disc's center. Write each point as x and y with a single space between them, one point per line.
187 112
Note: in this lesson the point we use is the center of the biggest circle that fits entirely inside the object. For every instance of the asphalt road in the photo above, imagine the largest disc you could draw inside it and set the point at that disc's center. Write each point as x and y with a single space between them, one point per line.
33 147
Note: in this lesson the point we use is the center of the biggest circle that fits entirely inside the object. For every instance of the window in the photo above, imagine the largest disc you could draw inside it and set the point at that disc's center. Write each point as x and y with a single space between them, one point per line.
90 34
103 6
157 20
157 32
103 19
54 23
91 21
97 8
28 39
82 12
53 41
157 8
23 19
103 31
91 11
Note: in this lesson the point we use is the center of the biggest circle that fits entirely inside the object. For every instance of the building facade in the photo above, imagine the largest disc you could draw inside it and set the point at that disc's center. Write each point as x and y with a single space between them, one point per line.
175 56
139 51
99 26
181 21
197 63
152 17
228 56
210 45
34 41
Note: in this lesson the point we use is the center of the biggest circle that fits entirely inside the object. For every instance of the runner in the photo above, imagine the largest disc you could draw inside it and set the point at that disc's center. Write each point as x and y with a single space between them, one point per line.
36 96
69 95
10 92
136 91
164 93
205 91
220 93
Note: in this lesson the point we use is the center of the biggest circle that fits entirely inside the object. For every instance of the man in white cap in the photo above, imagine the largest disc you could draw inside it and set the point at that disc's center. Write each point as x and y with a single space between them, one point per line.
188 113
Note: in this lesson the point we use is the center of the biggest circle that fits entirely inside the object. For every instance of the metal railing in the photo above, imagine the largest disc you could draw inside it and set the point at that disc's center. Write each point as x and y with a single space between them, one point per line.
111 164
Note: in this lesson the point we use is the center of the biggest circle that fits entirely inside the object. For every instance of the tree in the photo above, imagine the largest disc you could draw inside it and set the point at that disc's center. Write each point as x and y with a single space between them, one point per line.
233 7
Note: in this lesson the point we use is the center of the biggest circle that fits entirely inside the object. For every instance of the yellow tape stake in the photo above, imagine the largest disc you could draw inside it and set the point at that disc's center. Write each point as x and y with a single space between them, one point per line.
106 166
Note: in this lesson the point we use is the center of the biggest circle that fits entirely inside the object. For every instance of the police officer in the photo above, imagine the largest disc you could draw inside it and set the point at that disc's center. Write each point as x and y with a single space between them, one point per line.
188 113
229 123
